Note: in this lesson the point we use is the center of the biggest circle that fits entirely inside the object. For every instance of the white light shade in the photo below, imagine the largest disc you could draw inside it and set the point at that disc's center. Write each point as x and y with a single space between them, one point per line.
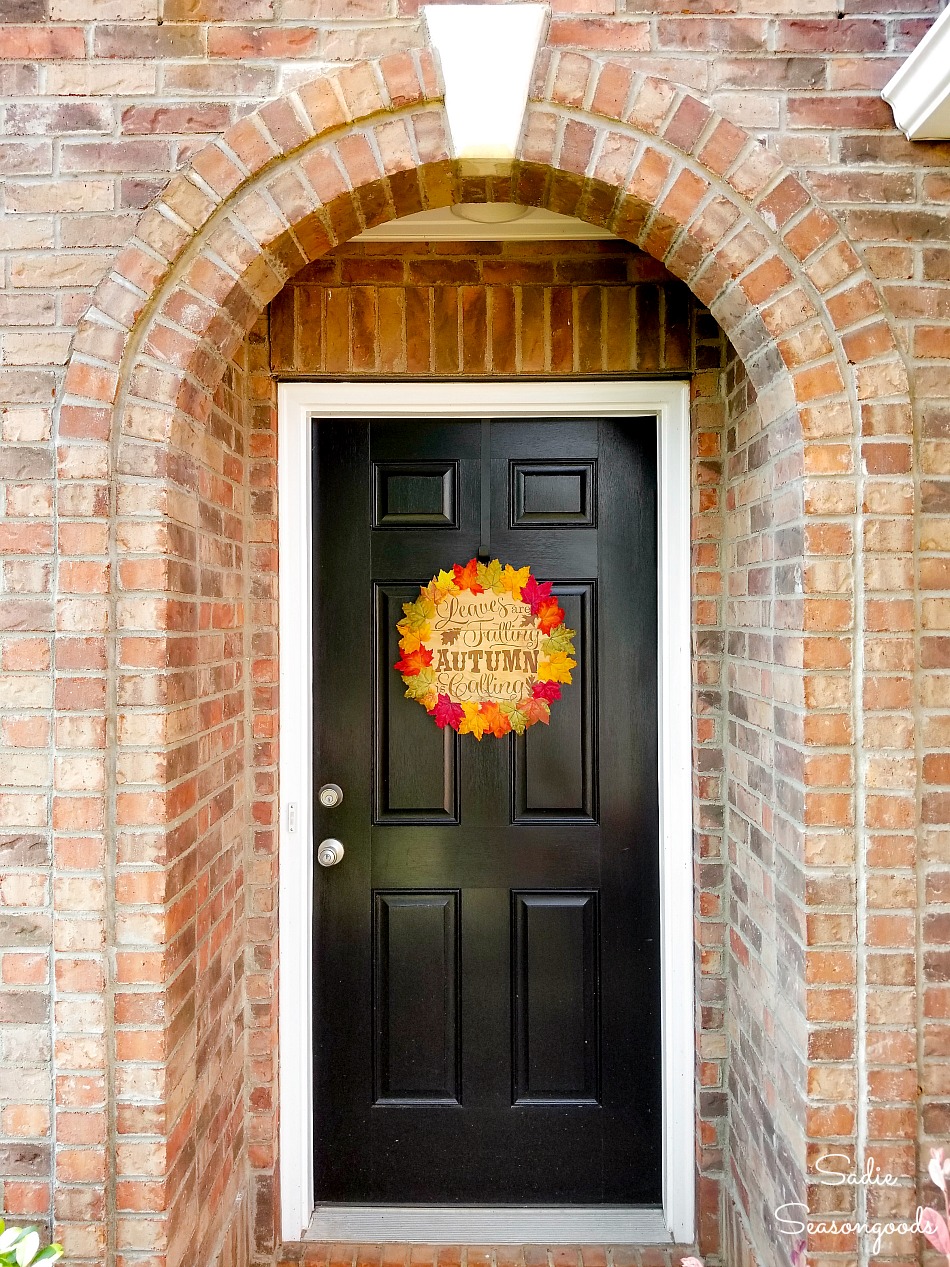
489 212
487 53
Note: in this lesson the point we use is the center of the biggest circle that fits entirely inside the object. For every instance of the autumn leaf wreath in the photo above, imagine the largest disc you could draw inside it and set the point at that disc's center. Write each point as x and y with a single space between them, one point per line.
548 667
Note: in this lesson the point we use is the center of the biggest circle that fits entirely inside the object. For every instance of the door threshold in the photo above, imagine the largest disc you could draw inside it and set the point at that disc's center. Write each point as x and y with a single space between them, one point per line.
496 1225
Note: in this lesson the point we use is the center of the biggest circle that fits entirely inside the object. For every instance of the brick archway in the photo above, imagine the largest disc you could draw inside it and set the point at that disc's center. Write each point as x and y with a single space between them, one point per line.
305 173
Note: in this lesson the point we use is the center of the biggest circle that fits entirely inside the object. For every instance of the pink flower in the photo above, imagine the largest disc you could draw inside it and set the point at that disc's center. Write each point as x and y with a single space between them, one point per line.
939 1169
799 1254
691 1262
934 1227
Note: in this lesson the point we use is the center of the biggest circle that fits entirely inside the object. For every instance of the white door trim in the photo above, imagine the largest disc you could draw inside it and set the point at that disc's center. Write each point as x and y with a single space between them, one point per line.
669 401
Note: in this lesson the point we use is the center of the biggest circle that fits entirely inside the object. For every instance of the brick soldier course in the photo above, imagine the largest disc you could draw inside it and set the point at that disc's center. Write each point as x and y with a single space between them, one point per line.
787 250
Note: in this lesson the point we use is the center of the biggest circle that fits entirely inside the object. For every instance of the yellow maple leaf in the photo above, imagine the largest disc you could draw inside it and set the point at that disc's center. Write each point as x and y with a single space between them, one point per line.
446 582
473 722
413 639
514 580
556 668
413 634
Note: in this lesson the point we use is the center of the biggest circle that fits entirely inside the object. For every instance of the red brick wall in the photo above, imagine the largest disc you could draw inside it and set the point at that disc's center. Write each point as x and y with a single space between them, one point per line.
261 958
102 102
487 309
767 872
184 705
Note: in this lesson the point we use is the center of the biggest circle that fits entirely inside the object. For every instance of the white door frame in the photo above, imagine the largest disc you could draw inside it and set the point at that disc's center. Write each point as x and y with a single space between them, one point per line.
669 401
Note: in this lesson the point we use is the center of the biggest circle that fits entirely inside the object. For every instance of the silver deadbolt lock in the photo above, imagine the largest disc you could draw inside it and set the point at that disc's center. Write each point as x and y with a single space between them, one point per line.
330 795
329 852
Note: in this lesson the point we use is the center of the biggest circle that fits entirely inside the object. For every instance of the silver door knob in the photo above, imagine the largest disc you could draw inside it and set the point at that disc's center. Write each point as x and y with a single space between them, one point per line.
329 852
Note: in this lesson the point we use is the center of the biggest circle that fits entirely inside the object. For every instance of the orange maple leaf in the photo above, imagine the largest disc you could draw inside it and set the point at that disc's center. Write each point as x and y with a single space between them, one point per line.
433 593
549 615
466 578
535 710
413 661
495 720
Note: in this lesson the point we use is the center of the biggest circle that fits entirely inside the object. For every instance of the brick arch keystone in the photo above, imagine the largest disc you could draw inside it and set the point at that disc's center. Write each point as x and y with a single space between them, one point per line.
369 143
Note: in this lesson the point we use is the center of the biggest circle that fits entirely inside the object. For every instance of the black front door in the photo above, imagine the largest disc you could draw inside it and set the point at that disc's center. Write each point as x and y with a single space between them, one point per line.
486 976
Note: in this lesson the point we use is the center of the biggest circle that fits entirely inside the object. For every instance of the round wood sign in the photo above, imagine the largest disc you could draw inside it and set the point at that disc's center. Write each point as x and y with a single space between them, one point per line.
485 649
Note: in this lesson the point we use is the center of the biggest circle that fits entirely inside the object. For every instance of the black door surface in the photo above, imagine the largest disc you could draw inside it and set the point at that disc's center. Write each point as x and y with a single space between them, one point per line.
486 975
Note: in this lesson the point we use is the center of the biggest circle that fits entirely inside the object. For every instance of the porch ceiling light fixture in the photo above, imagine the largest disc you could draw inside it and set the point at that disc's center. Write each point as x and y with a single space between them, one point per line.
919 93
485 115
489 212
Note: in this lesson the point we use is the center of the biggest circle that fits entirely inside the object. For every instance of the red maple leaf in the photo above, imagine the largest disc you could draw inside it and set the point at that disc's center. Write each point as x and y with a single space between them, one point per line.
533 593
466 578
547 690
413 661
550 614
448 713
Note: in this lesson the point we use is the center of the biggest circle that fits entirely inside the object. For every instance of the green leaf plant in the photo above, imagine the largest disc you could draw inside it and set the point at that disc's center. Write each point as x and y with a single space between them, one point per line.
20 1247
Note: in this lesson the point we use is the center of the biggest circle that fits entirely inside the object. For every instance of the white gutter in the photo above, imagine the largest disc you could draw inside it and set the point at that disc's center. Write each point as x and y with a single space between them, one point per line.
919 93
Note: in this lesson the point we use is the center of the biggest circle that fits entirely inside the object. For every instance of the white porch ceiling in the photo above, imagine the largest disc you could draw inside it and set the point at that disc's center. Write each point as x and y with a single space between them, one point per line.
447 225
